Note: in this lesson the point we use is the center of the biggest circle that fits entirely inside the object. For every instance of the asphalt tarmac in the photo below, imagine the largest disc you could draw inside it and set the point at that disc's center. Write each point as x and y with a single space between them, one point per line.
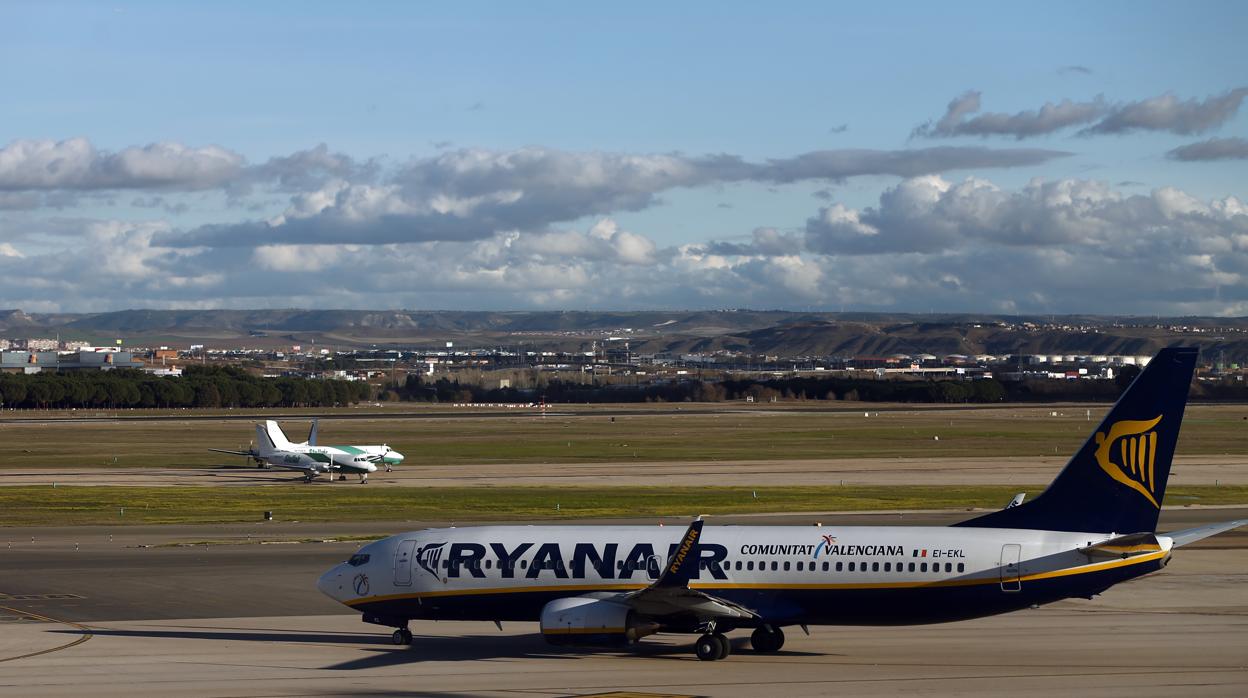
147 611
1188 470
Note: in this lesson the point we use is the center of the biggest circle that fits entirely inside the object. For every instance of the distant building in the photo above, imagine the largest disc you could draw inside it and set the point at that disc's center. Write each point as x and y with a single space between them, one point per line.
38 344
39 361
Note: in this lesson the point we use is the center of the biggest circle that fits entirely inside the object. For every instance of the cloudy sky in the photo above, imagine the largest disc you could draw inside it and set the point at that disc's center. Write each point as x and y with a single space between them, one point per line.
1071 158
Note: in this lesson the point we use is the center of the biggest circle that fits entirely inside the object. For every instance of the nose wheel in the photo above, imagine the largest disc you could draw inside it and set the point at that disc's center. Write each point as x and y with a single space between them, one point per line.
712 647
402 636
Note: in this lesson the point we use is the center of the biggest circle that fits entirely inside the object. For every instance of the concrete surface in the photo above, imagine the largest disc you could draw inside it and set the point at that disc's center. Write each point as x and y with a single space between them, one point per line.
244 620
1187 470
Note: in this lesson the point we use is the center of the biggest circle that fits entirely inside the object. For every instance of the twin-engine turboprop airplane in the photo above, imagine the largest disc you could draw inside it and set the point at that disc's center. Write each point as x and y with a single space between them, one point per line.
1095 526
274 449
377 453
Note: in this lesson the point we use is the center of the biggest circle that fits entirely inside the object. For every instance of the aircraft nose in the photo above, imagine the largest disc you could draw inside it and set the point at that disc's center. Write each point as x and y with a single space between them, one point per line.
330 583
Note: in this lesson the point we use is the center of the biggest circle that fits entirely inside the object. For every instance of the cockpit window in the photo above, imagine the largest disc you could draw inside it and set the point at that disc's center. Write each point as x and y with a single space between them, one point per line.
358 559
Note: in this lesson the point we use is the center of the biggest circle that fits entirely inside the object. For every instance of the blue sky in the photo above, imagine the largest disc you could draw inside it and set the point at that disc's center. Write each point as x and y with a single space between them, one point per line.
428 109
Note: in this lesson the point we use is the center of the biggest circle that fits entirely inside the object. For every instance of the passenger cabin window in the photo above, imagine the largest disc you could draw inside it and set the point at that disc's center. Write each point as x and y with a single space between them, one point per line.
851 567
825 566
888 567
875 567
799 566
774 565
948 566
911 566
961 567
839 565
923 567
749 565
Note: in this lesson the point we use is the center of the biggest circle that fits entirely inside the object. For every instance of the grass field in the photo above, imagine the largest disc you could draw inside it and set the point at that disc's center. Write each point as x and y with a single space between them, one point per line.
755 434
100 506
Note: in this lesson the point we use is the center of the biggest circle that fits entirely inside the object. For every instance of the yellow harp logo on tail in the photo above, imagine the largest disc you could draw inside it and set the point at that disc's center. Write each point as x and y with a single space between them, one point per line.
1135 444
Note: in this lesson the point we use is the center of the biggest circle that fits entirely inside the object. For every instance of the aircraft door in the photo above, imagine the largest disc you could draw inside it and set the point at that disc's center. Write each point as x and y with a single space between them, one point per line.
1011 554
403 563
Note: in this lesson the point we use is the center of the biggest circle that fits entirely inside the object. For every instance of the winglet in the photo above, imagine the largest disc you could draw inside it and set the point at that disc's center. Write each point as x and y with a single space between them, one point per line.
684 561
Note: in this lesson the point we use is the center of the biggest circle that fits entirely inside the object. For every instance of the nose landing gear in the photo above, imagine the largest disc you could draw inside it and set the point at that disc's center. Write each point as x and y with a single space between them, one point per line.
402 636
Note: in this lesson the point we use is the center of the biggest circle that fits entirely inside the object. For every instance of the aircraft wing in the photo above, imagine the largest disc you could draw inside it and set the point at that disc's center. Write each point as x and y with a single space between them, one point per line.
1191 535
670 594
303 467
233 453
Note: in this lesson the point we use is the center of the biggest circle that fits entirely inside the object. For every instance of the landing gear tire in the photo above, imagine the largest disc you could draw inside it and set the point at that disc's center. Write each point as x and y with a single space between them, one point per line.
724 647
707 648
402 636
765 640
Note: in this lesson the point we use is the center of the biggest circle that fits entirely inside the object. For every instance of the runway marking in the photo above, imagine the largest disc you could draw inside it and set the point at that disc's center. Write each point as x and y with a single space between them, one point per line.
46 619
633 694
38 597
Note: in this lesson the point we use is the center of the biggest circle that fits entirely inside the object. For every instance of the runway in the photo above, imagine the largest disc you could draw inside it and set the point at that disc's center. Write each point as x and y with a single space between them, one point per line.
1188 470
244 620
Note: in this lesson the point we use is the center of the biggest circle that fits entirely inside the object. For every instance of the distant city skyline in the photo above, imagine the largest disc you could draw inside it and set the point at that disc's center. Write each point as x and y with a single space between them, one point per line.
972 157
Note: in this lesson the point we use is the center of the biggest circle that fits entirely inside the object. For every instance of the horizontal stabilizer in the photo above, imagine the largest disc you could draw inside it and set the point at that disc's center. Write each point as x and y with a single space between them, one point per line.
1124 546
1191 535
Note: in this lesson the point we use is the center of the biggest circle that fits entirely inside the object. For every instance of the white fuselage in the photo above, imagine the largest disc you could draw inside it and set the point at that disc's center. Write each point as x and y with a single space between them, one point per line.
790 572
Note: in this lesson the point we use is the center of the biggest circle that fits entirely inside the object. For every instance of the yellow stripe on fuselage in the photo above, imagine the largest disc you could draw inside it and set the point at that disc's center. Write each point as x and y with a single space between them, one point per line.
1065 572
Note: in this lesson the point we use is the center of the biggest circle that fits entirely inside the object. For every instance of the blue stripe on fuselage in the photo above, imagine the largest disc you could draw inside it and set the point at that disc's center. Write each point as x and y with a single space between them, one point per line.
934 603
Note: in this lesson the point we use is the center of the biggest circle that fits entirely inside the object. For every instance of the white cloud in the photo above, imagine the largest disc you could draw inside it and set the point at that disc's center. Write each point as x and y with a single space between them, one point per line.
471 194
75 164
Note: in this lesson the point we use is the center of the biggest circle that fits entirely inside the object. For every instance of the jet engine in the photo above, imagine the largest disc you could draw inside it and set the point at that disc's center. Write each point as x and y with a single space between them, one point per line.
582 620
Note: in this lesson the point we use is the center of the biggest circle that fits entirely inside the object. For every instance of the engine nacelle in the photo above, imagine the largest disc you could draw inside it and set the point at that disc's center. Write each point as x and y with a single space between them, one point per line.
583 620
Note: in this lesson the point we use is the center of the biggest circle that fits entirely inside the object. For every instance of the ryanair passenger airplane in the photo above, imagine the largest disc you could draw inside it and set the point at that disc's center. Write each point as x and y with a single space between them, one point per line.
1095 526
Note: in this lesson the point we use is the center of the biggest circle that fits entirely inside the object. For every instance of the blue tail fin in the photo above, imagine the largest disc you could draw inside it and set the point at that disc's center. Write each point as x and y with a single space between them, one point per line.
1116 482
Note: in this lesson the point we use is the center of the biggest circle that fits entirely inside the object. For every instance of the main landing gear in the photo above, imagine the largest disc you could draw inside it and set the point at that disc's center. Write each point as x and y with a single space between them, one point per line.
402 636
767 639
712 646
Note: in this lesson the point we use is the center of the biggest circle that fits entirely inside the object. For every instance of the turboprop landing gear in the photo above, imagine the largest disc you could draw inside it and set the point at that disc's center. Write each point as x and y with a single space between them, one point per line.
712 646
767 639
402 636
363 478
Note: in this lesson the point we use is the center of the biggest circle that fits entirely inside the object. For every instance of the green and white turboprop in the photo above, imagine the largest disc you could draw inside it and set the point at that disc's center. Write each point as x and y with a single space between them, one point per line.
277 451
381 454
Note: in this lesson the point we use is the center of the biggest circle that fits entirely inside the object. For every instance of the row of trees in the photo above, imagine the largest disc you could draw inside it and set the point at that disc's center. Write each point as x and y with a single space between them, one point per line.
211 386
556 391
801 388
